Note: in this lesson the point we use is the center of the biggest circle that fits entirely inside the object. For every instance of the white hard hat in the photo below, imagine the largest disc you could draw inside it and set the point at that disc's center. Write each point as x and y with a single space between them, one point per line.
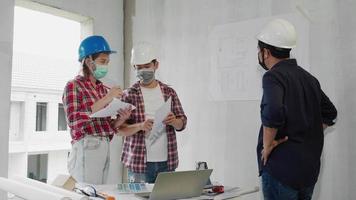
142 53
279 33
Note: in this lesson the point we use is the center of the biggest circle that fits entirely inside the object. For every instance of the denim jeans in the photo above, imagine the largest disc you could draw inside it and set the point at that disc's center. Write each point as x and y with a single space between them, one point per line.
275 190
152 171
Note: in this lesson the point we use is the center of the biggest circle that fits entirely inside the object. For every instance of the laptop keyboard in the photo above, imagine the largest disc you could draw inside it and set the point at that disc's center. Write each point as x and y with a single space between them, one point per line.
132 187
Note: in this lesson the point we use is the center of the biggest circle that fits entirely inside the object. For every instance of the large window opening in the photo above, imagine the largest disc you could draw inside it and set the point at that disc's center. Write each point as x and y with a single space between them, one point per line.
45 57
62 123
41 116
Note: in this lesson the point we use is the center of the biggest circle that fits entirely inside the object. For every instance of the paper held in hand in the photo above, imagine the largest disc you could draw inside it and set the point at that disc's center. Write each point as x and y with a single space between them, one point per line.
112 108
158 126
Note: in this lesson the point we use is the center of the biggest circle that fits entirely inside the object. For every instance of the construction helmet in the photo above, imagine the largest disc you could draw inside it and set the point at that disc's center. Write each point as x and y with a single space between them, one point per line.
92 45
279 33
142 53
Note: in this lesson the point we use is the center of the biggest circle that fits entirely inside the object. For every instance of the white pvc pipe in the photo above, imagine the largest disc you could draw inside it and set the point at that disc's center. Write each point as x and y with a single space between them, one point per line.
28 192
50 188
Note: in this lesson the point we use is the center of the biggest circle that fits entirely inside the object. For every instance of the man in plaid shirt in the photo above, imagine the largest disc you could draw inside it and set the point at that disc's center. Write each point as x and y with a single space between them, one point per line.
85 94
143 159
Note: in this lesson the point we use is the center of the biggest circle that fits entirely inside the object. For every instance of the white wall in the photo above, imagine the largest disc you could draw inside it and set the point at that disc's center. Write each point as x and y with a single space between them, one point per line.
334 52
18 161
224 133
108 21
6 23
16 130
57 164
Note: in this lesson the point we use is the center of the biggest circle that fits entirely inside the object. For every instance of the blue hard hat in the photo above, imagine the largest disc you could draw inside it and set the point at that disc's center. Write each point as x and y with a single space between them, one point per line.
92 45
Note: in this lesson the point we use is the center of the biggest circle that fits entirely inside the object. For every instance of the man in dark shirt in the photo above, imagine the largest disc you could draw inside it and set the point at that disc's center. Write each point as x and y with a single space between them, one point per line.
294 112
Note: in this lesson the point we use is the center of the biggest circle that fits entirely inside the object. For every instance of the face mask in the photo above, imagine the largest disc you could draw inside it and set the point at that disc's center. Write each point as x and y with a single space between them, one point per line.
146 75
262 63
100 71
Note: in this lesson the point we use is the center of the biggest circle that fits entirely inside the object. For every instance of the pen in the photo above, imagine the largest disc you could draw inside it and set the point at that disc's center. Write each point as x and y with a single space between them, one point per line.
105 196
106 87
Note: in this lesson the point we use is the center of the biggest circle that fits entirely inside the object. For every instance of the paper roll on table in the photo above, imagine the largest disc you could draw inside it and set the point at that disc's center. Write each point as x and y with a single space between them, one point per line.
34 190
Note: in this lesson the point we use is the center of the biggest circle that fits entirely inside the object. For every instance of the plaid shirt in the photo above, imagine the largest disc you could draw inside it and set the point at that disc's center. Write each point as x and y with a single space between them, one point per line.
134 149
78 97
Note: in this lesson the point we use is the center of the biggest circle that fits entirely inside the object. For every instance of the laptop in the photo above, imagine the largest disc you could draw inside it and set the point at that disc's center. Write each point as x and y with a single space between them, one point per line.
178 185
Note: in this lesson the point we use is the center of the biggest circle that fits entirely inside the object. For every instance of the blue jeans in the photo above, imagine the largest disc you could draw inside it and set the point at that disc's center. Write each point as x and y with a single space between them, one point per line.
152 171
275 190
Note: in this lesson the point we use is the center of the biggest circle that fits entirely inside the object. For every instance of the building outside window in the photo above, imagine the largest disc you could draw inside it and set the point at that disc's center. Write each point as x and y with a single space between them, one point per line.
16 120
62 123
44 58
37 167
41 116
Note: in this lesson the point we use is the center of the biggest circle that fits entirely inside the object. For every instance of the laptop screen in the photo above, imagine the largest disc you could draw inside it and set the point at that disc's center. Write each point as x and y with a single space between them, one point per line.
178 185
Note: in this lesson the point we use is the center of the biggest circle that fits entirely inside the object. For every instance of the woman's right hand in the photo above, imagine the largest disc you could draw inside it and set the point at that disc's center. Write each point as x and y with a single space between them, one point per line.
115 92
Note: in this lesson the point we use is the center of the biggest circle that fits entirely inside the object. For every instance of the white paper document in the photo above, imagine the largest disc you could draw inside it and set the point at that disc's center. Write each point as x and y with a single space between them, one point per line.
111 110
158 126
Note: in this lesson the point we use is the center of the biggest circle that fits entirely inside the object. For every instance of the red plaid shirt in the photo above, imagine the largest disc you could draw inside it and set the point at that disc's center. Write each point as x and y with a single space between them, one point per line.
134 149
78 97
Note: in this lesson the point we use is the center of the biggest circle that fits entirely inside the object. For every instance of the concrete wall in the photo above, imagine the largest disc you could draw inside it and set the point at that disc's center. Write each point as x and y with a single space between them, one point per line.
224 133
6 35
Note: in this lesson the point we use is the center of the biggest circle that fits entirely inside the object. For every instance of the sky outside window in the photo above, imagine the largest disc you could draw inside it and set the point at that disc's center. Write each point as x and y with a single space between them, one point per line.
45 50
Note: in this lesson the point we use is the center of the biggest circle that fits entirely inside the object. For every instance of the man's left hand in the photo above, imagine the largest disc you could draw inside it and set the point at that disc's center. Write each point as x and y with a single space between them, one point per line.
266 151
170 119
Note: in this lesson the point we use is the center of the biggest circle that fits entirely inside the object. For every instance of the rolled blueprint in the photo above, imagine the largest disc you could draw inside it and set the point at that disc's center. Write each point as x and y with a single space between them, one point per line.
50 188
28 192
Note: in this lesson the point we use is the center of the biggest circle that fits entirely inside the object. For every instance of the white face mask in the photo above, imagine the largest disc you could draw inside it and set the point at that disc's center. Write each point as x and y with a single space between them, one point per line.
146 75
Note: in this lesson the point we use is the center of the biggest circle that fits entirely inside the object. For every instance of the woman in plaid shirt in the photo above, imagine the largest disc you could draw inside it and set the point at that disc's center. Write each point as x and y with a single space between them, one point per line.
144 158
89 158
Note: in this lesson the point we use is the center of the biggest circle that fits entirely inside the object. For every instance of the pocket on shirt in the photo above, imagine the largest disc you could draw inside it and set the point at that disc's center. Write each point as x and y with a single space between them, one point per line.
91 143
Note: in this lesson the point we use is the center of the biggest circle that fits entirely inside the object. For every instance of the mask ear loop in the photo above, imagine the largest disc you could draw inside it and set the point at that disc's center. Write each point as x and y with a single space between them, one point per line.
263 56
82 65
90 69
92 62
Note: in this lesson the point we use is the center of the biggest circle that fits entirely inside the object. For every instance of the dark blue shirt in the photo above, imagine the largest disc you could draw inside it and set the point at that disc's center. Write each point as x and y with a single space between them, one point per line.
295 105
